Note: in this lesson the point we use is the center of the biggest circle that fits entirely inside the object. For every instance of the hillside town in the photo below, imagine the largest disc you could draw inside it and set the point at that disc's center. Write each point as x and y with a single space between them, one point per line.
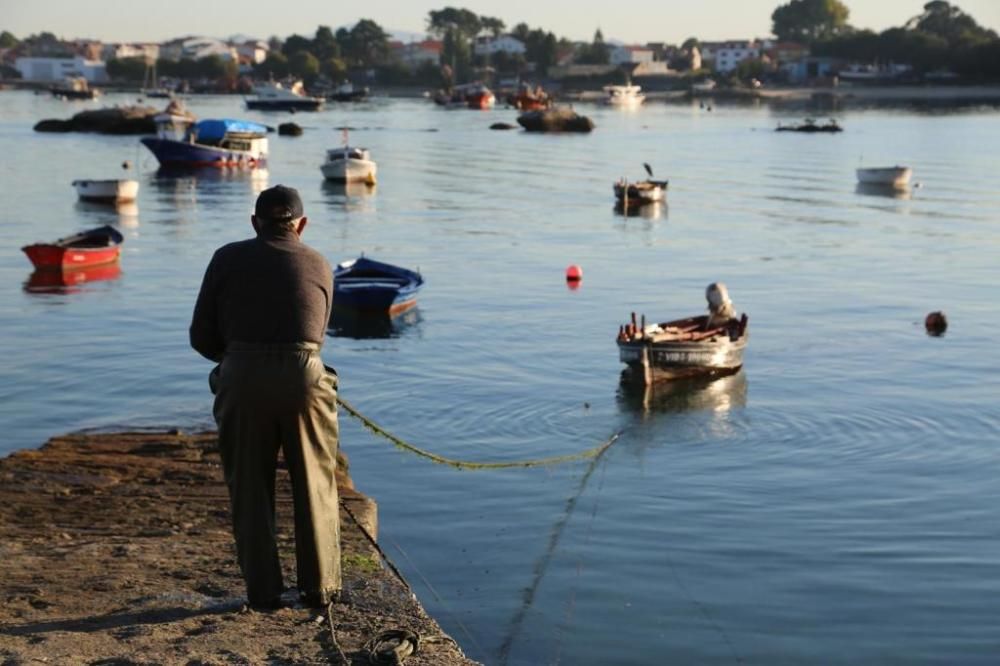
941 45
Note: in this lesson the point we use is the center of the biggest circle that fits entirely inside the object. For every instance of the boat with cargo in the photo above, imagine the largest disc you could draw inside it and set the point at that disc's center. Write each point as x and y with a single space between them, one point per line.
222 142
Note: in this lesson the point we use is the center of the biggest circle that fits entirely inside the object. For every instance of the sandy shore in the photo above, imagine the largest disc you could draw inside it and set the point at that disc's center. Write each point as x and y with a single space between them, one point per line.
117 550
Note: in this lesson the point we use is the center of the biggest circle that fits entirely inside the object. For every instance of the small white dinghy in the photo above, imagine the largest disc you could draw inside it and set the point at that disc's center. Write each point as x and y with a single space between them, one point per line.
894 176
109 190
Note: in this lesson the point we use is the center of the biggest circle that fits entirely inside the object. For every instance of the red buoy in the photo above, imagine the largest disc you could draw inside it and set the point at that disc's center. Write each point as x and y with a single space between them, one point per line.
574 273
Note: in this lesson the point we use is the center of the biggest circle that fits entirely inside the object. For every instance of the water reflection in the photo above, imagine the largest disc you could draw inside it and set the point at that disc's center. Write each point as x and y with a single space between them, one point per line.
887 191
122 213
347 323
57 281
719 394
651 211
182 184
351 197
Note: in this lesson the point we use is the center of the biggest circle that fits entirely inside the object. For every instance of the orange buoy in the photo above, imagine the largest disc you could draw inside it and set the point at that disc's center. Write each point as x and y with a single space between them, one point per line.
574 273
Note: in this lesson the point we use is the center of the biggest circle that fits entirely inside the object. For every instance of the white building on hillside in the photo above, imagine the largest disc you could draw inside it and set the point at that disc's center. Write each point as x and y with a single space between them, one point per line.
502 44
254 51
622 55
195 48
58 69
726 56
147 52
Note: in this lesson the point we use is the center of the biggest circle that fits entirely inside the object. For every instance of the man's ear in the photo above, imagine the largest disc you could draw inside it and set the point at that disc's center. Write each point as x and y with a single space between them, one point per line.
255 223
302 225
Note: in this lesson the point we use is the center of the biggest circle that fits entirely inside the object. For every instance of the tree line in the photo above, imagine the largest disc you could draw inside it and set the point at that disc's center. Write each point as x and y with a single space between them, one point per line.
942 37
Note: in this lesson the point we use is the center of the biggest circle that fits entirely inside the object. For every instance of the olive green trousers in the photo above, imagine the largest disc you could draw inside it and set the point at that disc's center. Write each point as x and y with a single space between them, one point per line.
271 397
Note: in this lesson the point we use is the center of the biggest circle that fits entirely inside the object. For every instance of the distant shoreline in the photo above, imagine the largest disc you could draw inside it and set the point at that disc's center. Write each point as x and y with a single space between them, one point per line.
943 94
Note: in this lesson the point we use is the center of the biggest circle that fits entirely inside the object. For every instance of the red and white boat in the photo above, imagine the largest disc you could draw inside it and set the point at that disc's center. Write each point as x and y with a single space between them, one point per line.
469 95
87 248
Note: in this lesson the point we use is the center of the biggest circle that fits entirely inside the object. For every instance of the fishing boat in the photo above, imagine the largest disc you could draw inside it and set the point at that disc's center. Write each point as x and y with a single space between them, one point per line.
272 96
74 87
640 193
623 97
695 346
87 248
107 191
366 285
528 99
349 165
215 142
894 177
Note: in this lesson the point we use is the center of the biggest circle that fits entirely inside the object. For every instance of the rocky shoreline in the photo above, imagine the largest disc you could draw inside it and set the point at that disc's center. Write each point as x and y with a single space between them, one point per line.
117 550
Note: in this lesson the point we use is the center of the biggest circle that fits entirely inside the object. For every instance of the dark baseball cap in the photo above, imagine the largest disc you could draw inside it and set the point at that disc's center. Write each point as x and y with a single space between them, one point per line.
279 203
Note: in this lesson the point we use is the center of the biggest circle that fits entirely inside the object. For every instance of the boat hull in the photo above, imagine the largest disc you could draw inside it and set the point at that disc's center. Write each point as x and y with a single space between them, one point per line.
898 177
350 171
285 105
107 191
181 153
629 195
366 286
649 360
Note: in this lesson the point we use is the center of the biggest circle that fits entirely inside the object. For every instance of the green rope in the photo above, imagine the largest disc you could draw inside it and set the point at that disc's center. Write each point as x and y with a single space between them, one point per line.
463 464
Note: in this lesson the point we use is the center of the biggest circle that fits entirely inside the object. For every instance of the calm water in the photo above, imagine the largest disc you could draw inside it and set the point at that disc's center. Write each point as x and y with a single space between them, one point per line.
833 503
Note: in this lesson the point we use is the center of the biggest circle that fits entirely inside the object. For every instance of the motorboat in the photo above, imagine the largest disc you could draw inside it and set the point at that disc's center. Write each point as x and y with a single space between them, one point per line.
74 87
630 195
272 96
220 142
87 248
809 126
107 191
349 165
348 92
627 96
368 286
894 177
690 347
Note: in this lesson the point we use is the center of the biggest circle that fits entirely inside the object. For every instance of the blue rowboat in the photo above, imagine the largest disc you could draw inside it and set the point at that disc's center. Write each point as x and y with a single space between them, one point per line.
366 285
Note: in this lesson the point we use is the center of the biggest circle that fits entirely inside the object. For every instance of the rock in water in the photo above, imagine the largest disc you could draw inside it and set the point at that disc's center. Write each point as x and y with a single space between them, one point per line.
116 120
555 120
502 126
289 129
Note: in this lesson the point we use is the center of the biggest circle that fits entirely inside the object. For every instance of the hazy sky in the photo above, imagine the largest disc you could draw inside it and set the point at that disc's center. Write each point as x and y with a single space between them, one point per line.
636 21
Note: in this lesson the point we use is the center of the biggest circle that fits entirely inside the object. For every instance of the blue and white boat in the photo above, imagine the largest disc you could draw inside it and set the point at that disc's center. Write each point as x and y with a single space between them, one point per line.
366 285
217 143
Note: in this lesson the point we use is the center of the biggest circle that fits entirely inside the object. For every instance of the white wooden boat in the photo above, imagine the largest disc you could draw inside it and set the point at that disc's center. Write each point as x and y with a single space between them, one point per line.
111 190
349 165
894 176
623 96
682 348
640 193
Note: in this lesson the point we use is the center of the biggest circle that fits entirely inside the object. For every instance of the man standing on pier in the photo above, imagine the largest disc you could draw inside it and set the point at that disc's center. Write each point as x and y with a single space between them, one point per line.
261 314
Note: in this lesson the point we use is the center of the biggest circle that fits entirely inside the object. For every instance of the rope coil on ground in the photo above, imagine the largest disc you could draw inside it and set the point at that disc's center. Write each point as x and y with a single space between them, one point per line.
464 464
391 647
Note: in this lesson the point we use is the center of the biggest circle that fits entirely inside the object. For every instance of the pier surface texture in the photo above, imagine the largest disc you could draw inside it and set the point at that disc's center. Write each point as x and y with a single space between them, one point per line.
116 548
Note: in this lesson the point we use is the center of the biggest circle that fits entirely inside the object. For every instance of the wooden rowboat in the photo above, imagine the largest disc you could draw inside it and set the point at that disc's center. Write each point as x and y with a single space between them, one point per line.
87 248
681 348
